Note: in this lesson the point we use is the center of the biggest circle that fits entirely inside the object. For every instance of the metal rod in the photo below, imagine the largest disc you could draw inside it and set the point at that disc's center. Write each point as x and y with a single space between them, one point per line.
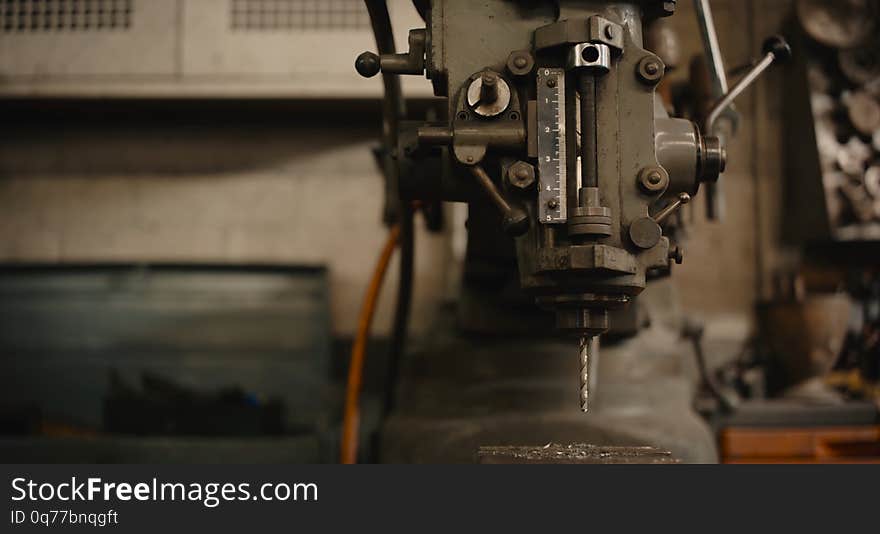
393 106
489 187
713 49
393 110
589 139
737 90
664 214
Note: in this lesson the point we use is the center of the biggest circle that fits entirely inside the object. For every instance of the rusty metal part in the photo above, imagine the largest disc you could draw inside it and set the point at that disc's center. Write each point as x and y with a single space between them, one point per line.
872 182
853 156
864 112
839 23
861 65
574 454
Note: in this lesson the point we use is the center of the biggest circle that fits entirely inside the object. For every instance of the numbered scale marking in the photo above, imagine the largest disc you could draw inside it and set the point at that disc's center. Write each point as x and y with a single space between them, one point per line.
552 167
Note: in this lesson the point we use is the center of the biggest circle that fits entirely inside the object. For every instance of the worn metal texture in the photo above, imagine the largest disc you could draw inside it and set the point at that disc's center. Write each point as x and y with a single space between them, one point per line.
553 453
459 393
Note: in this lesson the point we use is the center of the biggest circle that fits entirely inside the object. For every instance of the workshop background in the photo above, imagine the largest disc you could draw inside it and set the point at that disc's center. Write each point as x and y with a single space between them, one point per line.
181 163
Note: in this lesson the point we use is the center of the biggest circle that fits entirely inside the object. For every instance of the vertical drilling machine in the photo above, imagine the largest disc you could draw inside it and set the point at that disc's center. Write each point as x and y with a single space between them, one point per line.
553 118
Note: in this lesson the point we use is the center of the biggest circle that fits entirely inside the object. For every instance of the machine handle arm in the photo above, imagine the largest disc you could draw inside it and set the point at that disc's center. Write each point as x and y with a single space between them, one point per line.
776 49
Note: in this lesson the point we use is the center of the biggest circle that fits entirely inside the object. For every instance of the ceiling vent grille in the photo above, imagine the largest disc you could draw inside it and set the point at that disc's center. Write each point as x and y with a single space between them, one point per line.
65 15
283 15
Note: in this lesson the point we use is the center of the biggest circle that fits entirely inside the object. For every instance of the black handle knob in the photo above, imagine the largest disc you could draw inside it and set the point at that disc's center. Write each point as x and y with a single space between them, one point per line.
779 47
516 222
367 64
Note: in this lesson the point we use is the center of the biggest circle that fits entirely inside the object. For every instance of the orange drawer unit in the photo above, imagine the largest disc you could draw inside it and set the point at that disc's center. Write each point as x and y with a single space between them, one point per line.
820 444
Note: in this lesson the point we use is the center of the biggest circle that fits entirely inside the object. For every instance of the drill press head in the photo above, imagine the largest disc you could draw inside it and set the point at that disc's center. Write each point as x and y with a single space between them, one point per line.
553 119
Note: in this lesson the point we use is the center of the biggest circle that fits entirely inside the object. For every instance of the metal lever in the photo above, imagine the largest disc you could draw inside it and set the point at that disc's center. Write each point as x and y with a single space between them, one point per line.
775 49
516 221
369 64
666 212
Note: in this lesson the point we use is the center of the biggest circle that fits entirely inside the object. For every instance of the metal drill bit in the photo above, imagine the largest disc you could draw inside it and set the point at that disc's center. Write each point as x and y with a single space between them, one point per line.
586 342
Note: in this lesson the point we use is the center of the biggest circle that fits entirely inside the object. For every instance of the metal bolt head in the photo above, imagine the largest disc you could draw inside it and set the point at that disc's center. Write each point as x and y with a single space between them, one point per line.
520 62
521 175
651 70
553 204
654 179
609 31
551 82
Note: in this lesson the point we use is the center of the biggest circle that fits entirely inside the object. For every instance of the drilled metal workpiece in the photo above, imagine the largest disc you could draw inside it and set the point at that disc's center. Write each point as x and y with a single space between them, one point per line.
574 454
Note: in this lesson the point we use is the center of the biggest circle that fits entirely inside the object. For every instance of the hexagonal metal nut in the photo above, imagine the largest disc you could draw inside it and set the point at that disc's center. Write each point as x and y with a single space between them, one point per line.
521 175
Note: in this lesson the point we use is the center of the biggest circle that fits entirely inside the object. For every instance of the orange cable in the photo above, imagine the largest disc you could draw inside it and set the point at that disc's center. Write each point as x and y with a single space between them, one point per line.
351 416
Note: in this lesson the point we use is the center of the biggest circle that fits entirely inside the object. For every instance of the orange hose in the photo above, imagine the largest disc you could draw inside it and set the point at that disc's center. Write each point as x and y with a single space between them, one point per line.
351 416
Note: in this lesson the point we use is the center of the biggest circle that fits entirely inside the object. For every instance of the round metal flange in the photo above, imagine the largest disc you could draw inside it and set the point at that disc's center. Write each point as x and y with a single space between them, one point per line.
645 233
590 221
860 65
488 109
872 181
840 23
864 112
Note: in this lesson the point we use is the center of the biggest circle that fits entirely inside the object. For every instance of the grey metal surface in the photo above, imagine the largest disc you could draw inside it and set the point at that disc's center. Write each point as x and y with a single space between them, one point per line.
594 111
460 393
